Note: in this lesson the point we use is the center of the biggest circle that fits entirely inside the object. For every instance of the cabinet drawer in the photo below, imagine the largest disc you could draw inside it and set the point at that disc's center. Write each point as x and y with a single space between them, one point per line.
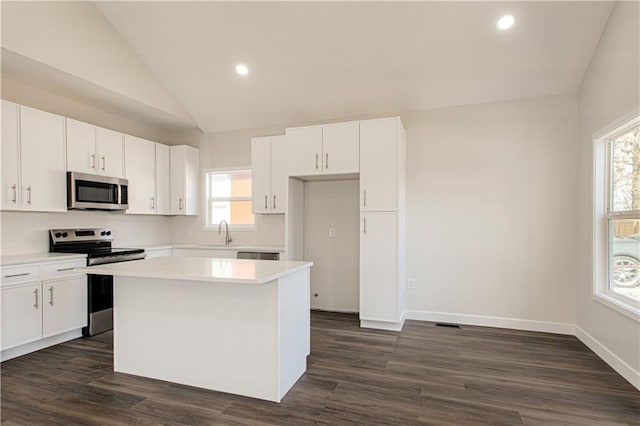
20 274
62 269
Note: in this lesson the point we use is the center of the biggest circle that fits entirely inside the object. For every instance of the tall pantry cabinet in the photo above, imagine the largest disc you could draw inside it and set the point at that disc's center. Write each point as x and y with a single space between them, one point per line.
382 223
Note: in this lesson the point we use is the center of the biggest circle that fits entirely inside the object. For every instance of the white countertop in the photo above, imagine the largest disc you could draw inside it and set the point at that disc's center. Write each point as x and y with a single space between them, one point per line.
201 269
231 247
18 259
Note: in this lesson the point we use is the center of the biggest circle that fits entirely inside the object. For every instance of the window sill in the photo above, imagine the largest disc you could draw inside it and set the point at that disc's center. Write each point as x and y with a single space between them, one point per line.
628 309
232 228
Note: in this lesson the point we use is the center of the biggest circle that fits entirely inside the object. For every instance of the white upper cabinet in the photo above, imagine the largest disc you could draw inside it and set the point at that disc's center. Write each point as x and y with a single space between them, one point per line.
269 168
324 149
110 153
279 174
10 157
94 150
42 161
185 170
163 179
261 174
140 168
379 169
305 150
81 147
341 148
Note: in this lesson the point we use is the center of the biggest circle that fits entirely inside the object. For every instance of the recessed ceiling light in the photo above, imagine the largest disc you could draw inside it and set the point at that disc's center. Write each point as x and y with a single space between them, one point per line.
506 22
242 69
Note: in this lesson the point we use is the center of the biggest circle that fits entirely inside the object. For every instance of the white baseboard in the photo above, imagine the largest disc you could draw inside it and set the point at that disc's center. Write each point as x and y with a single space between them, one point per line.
621 367
384 325
498 322
40 344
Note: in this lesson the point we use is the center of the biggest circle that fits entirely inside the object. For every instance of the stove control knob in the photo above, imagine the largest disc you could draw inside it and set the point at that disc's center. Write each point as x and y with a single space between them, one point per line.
108 232
103 233
58 235
65 234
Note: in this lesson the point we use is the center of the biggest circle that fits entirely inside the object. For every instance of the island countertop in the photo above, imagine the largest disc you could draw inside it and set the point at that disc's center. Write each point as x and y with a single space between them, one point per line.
239 271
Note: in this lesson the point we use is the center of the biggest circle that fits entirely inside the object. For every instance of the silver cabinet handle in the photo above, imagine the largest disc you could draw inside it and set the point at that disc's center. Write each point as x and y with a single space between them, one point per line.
29 191
364 224
35 305
24 274
180 204
274 201
65 269
93 160
317 156
104 162
15 193
326 160
365 198
266 198
153 203
51 295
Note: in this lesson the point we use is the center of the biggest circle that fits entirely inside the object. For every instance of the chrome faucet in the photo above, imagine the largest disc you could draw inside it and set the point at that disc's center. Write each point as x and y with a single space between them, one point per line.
227 237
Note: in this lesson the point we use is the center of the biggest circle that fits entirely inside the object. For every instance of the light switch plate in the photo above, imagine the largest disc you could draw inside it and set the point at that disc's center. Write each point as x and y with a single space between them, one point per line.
332 232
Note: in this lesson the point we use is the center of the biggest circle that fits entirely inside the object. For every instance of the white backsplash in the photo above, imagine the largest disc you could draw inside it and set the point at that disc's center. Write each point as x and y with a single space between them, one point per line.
27 232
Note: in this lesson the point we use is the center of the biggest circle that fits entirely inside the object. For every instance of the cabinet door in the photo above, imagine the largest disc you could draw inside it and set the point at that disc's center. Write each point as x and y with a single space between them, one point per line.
261 174
64 305
140 168
379 165
191 179
81 147
178 185
163 180
42 155
305 150
341 148
10 157
21 314
110 153
378 266
279 174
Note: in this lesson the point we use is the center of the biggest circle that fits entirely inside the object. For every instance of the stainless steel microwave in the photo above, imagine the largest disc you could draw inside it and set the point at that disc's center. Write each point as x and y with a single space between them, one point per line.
92 192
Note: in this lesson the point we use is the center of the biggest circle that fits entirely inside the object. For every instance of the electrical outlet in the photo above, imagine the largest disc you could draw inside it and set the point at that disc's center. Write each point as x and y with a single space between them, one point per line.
332 232
411 283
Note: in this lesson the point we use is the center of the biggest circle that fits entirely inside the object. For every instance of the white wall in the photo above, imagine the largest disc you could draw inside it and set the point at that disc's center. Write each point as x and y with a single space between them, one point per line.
26 232
609 91
335 274
75 38
491 209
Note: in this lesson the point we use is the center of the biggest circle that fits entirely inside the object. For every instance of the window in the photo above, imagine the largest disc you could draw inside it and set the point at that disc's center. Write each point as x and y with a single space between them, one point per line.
228 197
617 216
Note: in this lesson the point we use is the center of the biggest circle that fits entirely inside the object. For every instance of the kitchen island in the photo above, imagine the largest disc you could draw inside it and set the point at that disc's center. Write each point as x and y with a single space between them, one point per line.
236 326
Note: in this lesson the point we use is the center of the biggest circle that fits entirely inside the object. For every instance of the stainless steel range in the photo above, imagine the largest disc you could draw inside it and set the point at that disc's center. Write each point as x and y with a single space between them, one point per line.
96 244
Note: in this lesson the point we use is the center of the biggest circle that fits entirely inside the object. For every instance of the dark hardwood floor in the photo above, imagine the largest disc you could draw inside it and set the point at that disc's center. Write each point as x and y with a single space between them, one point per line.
423 375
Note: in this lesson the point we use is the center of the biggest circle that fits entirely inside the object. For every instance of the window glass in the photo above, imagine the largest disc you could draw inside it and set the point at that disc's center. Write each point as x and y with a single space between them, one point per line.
229 198
625 172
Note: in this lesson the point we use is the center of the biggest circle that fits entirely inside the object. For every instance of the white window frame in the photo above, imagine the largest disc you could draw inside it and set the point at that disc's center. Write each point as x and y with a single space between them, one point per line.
602 214
205 216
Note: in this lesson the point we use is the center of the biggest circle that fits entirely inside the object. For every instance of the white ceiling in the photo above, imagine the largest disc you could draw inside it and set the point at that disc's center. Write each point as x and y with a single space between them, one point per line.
317 61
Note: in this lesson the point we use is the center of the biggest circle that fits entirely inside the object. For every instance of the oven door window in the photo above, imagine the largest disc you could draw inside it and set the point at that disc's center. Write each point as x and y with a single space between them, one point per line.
96 192
100 292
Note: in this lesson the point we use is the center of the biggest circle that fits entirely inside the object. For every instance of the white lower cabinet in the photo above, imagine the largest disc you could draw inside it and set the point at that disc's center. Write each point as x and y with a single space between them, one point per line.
21 314
40 302
64 305
379 267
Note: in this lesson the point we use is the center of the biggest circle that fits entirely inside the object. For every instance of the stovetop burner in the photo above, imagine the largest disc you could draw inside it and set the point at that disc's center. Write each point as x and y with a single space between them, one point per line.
95 243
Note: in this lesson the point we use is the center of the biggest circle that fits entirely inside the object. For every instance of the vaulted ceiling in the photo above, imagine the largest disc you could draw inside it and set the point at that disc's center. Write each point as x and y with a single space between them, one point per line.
320 61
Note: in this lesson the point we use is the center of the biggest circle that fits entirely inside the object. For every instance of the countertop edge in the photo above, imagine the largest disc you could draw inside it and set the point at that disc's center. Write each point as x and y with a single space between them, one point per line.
23 259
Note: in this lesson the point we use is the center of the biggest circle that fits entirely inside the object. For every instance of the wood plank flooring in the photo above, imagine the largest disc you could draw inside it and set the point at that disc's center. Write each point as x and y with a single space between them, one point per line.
423 375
